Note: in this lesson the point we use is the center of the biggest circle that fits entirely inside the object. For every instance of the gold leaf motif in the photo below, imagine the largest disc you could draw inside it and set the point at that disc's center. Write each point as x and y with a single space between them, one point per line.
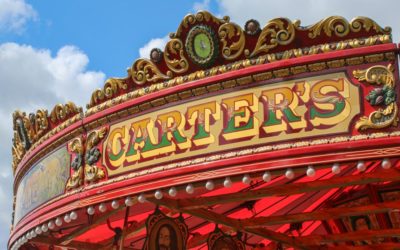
230 49
341 27
279 31
382 118
76 146
336 24
144 70
92 172
94 137
201 16
359 23
76 179
111 88
61 112
174 56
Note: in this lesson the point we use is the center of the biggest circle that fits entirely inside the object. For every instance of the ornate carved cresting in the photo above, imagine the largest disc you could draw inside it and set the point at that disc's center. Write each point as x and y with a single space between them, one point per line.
231 44
383 96
174 56
86 155
233 40
29 129
279 31
111 89
61 112
339 26
145 71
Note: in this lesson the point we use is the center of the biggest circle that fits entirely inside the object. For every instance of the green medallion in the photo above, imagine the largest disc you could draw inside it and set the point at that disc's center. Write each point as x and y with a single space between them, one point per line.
202 45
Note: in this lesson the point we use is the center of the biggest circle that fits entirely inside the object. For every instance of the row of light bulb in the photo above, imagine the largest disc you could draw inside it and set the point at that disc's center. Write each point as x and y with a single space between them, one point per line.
158 194
246 179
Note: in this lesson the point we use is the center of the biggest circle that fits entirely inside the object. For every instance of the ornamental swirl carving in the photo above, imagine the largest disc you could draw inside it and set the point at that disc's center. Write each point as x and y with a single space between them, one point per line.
27 130
92 155
385 96
86 155
279 31
174 56
336 24
30 129
76 179
279 39
233 40
201 16
144 70
340 27
61 112
111 89
359 23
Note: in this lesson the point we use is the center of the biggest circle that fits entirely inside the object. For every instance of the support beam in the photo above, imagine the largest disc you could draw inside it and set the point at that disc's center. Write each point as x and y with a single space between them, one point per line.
223 220
351 236
323 214
65 240
72 244
380 175
128 232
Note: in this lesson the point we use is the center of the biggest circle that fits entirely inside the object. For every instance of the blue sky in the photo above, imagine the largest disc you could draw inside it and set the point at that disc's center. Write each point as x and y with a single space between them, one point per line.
54 51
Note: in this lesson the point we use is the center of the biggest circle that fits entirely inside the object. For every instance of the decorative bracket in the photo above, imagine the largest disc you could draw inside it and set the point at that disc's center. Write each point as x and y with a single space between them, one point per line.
383 96
86 154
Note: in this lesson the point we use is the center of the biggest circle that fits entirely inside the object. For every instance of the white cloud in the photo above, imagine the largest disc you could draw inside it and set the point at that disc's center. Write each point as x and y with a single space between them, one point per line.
34 78
14 14
30 79
385 13
205 5
144 52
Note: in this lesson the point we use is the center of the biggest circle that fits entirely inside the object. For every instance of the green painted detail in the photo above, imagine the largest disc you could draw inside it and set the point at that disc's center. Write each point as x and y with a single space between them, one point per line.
178 137
202 45
132 150
339 106
114 157
201 132
148 146
273 120
231 124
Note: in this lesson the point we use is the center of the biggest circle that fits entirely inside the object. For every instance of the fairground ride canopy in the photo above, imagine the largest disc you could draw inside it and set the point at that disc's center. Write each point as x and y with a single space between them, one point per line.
274 137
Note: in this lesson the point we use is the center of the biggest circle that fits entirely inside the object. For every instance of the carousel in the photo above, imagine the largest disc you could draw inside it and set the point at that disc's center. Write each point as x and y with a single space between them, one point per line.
274 137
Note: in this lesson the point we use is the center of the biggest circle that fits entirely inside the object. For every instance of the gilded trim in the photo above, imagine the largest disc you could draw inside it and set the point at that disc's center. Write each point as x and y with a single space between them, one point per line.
386 96
276 40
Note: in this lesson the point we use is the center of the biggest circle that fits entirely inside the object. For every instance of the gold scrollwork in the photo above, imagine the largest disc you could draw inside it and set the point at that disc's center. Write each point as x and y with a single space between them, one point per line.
341 27
143 70
200 16
336 24
231 50
174 56
388 116
92 154
279 31
367 23
76 180
61 112
27 130
111 89
39 125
